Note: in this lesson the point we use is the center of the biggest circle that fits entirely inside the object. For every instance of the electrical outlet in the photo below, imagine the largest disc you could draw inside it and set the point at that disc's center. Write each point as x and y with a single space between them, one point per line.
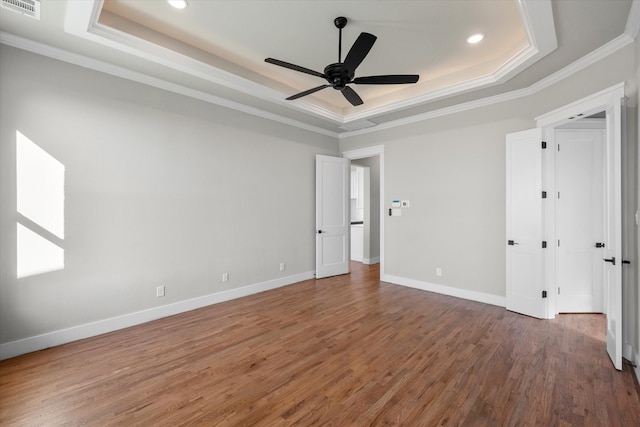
225 277
438 271
160 291
282 266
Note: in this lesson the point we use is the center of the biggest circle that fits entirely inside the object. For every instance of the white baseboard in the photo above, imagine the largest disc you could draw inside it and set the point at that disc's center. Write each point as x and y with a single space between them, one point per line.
370 261
636 368
627 351
63 336
446 290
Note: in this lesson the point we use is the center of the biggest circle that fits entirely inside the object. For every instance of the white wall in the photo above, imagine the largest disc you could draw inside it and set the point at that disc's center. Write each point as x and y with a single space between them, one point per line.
452 169
160 190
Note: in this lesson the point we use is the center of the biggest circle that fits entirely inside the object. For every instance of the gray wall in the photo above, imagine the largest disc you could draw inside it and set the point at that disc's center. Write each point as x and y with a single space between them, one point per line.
160 190
452 169
166 190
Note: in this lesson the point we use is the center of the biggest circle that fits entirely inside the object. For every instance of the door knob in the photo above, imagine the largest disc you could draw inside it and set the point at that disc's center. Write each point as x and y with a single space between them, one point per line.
599 245
612 260
511 243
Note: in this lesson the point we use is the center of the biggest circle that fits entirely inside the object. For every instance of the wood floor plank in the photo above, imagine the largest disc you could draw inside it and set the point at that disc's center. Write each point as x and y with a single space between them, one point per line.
341 351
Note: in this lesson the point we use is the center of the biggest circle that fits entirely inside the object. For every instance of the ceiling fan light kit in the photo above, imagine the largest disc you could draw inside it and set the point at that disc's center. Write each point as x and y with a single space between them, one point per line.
341 74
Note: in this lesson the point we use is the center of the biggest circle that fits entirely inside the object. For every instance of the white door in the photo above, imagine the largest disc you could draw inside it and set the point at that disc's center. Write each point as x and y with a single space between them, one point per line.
525 266
613 235
579 232
332 216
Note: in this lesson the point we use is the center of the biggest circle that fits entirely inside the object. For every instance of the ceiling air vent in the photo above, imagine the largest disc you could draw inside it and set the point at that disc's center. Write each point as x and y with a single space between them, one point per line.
29 8
358 125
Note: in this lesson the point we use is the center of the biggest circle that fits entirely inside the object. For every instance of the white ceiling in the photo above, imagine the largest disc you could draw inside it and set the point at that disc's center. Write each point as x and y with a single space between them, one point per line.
215 50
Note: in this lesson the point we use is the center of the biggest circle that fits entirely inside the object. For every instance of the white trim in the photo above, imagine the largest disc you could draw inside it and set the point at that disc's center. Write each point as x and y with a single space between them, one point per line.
117 71
627 351
370 261
584 124
81 20
633 21
537 17
75 25
636 369
446 290
590 104
587 60
362 153
74 333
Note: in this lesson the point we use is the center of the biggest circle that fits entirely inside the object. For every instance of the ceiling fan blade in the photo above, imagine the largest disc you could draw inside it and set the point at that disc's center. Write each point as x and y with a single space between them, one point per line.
306 92
359 51
352 96
294 67
392 79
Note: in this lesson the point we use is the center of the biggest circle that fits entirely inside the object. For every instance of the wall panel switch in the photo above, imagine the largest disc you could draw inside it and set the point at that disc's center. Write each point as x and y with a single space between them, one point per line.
160 291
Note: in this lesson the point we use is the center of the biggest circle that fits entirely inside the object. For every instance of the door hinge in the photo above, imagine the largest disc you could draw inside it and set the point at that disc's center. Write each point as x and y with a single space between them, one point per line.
544 194
558 290
544 144
544 294
544 244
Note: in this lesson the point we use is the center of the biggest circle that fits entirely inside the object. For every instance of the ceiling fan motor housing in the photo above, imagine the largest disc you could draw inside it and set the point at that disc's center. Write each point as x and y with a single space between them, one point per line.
338 76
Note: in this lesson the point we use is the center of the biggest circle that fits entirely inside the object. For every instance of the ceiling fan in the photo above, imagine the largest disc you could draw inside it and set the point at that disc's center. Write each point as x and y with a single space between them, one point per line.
340 74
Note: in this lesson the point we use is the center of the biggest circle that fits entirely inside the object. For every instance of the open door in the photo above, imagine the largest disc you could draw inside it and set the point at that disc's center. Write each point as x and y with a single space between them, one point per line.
525 265
332 216
613 235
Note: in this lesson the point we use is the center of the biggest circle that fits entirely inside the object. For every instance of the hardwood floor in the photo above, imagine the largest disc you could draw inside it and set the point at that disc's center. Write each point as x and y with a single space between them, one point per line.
338 352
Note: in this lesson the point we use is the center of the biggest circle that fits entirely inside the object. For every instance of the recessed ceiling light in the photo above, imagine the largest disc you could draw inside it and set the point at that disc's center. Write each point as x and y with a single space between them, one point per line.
476 38
178 4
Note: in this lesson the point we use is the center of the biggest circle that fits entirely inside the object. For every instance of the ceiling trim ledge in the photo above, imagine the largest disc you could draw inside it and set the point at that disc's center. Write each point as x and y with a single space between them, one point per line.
81 20
125 73
576 66
537 16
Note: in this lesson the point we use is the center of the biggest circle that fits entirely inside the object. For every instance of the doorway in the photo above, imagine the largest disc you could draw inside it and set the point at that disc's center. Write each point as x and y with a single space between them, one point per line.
371 159
611 101
580 152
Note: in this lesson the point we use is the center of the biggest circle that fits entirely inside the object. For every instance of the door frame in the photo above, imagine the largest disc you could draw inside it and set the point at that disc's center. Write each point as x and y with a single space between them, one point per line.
605 100
363 153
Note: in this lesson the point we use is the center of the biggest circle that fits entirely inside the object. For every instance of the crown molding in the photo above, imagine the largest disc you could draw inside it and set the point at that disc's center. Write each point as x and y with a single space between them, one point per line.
86 12
633 21
81 20
125 73
537 17
571 69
